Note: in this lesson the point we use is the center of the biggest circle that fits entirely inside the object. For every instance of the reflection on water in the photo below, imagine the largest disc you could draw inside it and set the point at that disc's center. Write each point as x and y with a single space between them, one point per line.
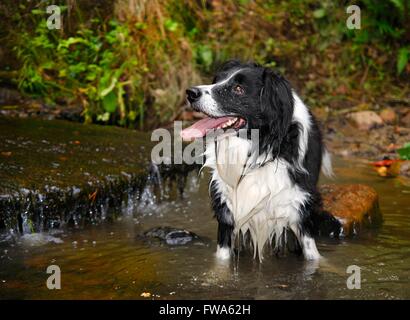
110 261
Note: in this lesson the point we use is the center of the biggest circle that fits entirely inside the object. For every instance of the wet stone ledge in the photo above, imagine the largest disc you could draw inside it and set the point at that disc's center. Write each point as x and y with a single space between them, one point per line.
55 173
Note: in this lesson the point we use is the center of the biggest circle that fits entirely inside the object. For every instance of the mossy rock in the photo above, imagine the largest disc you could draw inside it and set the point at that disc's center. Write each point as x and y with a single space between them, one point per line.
56 172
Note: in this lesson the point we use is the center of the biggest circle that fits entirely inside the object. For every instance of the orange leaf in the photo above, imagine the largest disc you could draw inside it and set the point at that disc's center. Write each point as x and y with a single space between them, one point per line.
92 196
385 163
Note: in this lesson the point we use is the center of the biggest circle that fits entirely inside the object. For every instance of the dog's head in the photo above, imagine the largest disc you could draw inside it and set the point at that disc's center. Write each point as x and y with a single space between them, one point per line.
243 95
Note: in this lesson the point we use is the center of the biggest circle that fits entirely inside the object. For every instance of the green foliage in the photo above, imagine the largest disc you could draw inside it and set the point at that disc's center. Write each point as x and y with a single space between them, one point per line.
404 153
319 13
381 20
385 25
92 67
204 56
132 68
114 69
402 59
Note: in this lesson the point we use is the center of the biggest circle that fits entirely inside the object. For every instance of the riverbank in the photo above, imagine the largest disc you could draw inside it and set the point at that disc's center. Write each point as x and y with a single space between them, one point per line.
364 131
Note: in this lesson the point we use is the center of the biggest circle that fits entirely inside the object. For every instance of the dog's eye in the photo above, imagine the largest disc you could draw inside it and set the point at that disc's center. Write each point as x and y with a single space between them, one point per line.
238 90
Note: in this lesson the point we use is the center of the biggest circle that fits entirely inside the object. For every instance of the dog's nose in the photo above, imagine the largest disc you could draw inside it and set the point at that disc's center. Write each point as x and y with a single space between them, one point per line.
193 94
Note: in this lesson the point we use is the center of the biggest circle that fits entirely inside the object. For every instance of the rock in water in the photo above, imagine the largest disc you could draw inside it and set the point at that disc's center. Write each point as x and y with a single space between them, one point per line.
365 120
172 236
356 206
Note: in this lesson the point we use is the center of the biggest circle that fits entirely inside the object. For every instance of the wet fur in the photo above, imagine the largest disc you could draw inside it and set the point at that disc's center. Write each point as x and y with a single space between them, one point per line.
272 192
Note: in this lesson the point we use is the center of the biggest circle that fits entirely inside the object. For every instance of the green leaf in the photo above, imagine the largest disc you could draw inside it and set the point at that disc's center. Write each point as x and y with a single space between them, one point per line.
193 31
75 69
205 55
402 59
109 89
399 4
171 25
132 115
104 117
70 41
141 26
38 11
319 13
404 152
110 102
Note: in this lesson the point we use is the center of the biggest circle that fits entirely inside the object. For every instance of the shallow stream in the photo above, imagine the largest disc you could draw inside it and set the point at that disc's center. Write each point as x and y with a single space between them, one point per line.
112 261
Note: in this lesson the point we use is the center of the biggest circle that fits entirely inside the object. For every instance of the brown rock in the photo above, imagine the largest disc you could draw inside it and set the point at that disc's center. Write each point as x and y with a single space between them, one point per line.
356 206
388 115
402 110
405 168
405 120
365 120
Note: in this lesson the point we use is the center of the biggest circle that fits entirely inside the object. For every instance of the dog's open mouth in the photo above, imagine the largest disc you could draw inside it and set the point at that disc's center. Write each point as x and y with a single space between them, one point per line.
202 127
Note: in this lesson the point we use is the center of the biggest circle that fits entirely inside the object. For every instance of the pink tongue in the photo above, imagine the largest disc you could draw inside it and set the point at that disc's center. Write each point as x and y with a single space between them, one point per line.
199 128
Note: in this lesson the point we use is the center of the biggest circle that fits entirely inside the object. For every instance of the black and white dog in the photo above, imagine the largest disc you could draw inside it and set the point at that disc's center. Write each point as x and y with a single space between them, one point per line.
269 190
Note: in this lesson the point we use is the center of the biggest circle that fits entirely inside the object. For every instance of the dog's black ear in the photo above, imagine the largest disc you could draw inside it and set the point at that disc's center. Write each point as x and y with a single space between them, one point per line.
277 105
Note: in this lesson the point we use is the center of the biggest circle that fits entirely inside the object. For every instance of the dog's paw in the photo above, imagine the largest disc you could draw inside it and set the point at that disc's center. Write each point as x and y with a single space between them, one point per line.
312 256
223 253
309 249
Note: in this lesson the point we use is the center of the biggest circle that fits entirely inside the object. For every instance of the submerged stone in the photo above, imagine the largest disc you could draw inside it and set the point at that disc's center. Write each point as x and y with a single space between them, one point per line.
171 236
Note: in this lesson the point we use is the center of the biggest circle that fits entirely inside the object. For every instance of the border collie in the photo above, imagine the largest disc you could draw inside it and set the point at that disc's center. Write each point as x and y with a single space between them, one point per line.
269 191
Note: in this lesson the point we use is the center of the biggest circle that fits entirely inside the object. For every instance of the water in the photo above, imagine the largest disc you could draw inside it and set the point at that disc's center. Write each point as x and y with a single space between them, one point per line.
110 261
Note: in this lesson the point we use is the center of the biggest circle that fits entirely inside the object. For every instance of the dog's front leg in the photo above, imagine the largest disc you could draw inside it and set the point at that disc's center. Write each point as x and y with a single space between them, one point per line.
307 243
225 223
224 248
309 248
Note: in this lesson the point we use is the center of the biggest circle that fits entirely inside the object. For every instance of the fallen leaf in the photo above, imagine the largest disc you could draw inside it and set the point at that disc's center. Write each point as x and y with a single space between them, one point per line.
6 153
92 196
385 162
390 170
382 171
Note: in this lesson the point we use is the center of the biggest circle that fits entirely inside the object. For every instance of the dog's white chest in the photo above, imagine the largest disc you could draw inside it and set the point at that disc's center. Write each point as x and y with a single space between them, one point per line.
262 199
